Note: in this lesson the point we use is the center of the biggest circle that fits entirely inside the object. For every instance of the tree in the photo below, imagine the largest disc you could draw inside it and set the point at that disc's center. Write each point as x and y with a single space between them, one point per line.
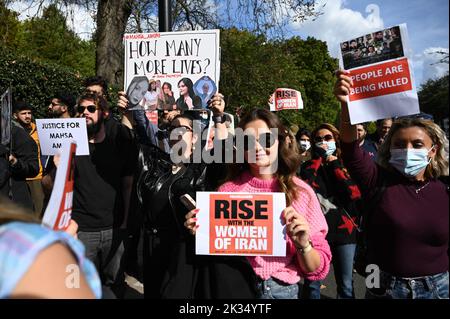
47 38
261 16
433 98
9 25
35 81
253 67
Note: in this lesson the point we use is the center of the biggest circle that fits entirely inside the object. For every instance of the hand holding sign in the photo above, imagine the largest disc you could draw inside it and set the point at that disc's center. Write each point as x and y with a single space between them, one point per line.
343 85
191 221
217 104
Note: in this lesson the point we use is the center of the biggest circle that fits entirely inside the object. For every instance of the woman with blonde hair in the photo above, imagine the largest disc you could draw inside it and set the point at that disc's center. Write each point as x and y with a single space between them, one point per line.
407 224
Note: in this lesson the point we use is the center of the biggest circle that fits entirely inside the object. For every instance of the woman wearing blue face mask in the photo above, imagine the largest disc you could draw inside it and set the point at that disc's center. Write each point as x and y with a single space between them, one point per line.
407 227
340 200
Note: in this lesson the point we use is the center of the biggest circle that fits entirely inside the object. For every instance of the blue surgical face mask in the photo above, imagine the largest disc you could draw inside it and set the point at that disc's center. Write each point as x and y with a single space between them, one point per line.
409 161
331 147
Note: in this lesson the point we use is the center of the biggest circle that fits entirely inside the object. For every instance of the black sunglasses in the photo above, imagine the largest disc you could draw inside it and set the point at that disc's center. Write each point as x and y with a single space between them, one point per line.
91 108
266 140
326 138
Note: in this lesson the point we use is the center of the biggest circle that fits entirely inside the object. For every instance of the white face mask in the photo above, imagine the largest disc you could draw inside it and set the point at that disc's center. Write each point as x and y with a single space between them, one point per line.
410 162
305 145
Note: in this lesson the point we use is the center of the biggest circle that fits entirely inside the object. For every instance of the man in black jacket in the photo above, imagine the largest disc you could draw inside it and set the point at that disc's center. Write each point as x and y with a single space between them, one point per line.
23 163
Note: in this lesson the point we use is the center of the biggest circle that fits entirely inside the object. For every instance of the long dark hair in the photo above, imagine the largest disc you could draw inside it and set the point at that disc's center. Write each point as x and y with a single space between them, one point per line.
190 86
288 160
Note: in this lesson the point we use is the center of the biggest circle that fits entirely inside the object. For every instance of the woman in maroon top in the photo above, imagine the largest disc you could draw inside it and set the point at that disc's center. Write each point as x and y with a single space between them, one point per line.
407 227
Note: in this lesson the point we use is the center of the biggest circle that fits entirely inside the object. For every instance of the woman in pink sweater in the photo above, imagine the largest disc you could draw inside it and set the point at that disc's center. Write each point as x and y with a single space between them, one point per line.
270 166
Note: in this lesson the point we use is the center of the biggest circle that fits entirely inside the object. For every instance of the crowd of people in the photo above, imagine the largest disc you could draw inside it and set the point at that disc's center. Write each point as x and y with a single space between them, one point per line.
351 196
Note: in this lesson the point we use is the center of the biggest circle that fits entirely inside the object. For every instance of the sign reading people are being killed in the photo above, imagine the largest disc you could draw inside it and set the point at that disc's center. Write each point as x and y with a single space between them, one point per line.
245 224
55 133
58 213
167 58
383 80
286 99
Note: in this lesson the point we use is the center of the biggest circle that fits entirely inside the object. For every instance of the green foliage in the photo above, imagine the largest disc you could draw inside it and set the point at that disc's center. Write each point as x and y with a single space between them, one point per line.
35 81
433 98
9 25
48 38
253 67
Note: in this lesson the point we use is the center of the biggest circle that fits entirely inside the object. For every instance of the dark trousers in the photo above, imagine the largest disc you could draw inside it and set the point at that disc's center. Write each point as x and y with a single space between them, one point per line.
37 195
105 249
156 261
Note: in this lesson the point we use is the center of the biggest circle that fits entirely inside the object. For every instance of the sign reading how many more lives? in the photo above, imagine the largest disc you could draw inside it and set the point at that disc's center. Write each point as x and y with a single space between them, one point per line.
240 224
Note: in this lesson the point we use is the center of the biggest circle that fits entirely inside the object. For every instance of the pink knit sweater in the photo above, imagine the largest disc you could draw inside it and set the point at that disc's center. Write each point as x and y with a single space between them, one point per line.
287 269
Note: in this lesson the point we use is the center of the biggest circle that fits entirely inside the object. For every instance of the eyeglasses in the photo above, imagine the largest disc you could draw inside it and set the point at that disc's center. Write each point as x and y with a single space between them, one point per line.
91 108
266 140
326 138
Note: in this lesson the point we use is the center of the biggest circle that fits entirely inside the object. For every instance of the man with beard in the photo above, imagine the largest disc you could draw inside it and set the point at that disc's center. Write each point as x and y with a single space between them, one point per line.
366 144
20 161
102 187
383 127
23 116
61 106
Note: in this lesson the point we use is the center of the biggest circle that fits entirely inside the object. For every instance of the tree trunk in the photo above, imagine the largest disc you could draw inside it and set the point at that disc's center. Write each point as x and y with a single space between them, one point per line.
112 17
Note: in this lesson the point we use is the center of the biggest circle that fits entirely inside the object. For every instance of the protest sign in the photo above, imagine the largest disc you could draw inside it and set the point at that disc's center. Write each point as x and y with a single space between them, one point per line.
5 119
152 116
58 213
286 99
54 133
245 224
383 81
169 57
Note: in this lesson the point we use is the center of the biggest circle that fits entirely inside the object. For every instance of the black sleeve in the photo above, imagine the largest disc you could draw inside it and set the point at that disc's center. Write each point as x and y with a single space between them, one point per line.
128 150
26 151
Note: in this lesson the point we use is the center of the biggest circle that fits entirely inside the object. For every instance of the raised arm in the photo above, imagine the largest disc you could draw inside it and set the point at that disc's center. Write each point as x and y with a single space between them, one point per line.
145 130
361 167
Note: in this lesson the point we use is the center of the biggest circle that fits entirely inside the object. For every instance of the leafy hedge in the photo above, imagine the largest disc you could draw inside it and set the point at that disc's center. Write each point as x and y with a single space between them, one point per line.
35 82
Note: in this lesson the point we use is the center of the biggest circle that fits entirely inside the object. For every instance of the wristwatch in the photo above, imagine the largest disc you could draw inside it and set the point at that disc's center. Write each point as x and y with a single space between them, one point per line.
218 119
305 250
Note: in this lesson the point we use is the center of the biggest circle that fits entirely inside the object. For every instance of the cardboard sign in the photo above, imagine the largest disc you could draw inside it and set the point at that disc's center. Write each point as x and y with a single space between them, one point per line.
286 99
58 213
55 133
382 75
245 224
156 62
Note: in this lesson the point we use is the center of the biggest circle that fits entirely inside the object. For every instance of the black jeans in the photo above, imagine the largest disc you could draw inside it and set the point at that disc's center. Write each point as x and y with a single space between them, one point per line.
105 249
